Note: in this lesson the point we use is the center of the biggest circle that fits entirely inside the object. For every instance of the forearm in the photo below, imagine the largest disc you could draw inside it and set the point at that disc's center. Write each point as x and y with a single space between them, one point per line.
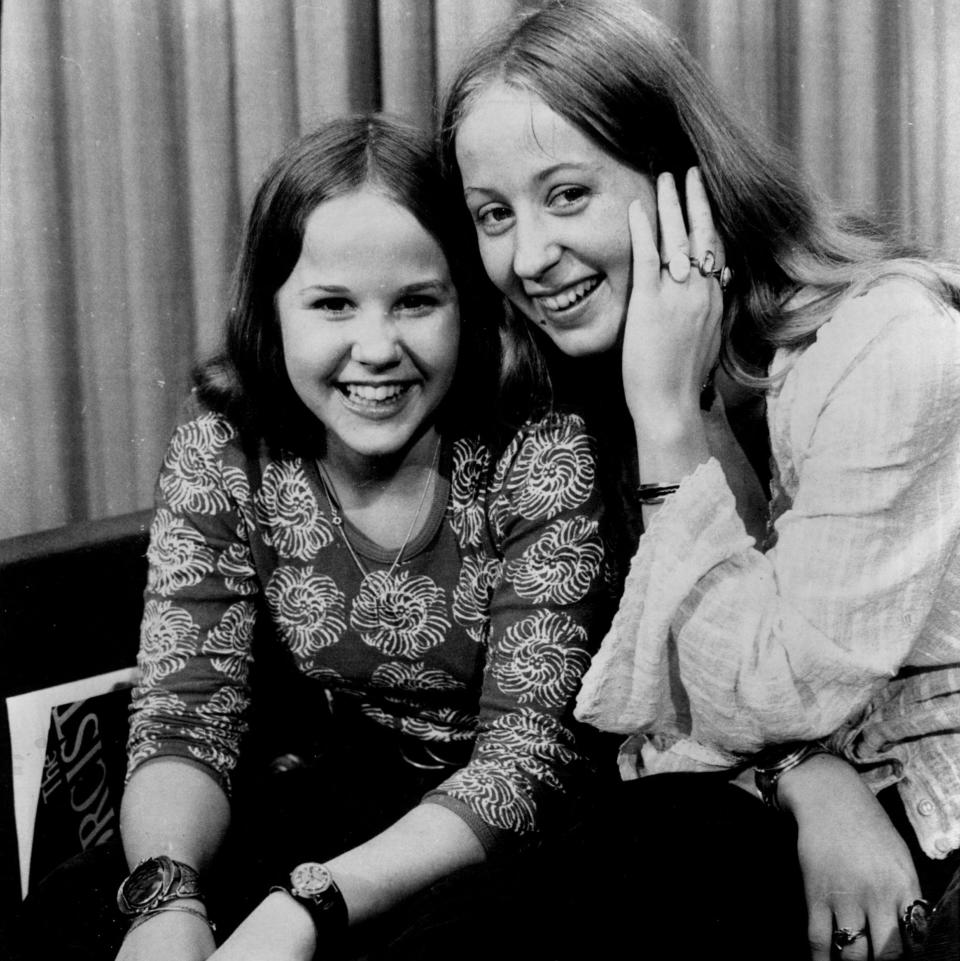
173 808
673 445
425 845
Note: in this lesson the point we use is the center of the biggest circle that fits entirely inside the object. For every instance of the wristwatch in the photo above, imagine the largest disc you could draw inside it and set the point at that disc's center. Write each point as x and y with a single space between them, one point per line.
156 881
312 884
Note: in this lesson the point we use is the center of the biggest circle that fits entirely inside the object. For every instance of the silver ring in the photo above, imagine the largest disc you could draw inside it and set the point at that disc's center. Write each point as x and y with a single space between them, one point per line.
707 267
706 264
844 937
915 919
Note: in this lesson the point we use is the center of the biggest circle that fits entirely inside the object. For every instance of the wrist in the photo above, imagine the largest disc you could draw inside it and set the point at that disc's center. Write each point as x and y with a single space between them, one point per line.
775 764
804 782
294 917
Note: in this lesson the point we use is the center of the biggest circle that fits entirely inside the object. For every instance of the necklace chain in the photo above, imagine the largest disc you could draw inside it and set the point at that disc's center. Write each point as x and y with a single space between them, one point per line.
337 511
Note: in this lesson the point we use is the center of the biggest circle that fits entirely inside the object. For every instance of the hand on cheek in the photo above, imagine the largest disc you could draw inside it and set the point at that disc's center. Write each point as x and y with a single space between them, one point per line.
672 334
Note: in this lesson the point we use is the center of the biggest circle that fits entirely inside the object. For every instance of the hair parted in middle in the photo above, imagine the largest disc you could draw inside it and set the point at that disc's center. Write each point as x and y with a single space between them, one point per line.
627 83
248 381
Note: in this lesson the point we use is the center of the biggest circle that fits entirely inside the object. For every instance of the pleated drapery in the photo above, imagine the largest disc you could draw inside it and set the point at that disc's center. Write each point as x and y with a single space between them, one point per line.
133 134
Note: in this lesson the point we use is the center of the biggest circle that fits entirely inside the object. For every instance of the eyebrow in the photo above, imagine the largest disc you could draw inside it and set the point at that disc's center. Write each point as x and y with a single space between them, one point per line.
423 286
539 177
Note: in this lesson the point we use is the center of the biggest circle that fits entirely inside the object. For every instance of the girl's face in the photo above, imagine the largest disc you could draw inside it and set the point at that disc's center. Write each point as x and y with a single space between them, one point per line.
550 209
370 325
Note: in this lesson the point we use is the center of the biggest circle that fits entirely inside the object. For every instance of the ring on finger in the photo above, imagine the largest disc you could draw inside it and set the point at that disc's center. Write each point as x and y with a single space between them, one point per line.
705 264
915 919
707 267
844 937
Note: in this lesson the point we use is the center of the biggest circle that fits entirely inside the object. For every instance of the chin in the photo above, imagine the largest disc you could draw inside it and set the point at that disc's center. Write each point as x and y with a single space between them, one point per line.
585 342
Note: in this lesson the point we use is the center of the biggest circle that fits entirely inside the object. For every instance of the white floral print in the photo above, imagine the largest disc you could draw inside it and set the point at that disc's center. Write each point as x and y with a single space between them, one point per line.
538 744
442 724
289 512
399 614
499 796
414 677
537 661
469 466
235 565
191 481
307 607
230 638
560 566
178 554
479 576
554 471
155 711
168 636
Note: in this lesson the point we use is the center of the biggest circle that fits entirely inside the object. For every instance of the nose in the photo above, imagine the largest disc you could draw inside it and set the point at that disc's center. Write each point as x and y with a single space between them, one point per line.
535 249
376 342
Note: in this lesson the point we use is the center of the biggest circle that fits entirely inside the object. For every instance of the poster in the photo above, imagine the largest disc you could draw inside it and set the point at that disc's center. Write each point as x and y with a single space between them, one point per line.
67 747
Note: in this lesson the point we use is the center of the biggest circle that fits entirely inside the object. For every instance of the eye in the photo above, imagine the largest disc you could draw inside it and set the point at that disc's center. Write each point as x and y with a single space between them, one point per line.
568 198
493 219
336 306
416 304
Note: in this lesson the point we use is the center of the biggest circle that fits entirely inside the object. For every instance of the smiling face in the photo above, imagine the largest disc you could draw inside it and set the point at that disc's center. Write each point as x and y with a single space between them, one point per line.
370 326
550 209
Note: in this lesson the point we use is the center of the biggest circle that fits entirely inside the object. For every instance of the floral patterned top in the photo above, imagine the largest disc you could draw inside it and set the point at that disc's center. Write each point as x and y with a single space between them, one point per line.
481 634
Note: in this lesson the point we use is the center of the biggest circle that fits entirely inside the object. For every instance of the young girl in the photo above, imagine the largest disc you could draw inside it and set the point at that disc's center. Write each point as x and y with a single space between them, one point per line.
436 594
580 135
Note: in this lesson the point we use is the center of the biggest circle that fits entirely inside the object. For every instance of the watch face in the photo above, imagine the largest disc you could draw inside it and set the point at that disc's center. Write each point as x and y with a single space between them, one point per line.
310 879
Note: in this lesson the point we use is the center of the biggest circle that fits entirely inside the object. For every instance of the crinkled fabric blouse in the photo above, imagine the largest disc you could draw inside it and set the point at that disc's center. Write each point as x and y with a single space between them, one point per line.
847 625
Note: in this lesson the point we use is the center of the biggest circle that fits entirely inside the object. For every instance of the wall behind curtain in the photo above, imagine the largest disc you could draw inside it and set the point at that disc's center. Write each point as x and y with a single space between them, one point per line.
133 135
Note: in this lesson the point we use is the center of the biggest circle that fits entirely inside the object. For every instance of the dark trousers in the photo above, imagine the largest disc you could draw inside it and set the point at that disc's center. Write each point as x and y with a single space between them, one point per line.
310 811
690 867
679 866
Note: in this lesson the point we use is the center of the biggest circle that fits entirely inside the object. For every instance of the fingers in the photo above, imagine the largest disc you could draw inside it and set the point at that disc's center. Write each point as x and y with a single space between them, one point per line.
885 935
704 242
674 242
646 258
852 939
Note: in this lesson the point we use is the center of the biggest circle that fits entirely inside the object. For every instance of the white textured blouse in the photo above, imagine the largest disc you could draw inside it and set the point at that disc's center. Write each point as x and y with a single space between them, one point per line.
847 626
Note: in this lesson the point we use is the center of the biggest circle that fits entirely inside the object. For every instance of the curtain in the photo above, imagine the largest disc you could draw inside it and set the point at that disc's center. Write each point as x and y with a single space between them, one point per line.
133 133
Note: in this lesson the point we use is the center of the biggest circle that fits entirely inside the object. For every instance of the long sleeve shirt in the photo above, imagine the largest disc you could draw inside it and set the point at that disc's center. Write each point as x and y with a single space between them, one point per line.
480 635
847 626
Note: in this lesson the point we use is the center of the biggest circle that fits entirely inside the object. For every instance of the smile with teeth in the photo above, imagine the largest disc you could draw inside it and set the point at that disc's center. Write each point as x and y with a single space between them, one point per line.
373 394
572 295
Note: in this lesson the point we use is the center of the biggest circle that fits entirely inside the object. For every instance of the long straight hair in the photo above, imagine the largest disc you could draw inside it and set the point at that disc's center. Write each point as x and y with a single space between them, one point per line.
629 85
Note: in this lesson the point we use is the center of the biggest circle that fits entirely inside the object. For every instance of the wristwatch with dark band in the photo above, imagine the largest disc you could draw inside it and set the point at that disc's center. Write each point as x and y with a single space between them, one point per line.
312 884
154 882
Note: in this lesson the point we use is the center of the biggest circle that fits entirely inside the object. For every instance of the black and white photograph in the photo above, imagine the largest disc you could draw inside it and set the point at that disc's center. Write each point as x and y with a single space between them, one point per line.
481 480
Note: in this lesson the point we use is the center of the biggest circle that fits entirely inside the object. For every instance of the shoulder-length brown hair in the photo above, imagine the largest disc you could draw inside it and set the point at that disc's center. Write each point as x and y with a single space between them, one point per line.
248 380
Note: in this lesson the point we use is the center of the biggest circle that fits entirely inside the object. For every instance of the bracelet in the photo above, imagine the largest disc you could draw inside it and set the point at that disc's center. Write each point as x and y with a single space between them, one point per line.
767 776
649 494
182 908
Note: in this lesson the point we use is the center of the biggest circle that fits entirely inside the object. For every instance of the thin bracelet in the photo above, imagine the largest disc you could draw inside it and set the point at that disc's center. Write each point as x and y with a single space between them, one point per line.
649 494
183 909
767 776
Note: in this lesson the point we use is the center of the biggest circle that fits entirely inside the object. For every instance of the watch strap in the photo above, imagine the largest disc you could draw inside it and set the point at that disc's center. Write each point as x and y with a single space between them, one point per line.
312 885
